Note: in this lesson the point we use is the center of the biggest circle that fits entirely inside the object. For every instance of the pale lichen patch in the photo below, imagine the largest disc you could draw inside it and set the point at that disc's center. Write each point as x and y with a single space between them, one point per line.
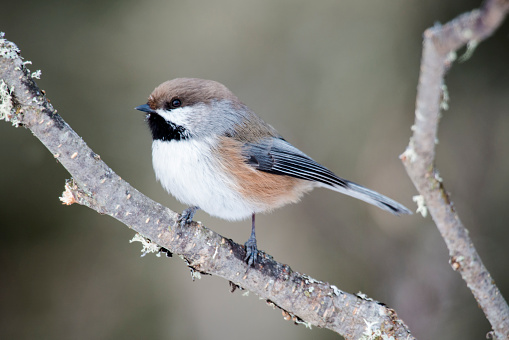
421 205
147 245
6 109
67 197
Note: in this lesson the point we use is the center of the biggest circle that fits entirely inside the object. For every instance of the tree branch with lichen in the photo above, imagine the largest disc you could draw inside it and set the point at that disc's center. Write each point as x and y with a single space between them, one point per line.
440 45
301 298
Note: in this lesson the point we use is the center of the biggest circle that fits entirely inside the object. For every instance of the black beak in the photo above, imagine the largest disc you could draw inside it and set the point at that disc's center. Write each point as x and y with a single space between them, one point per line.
144 108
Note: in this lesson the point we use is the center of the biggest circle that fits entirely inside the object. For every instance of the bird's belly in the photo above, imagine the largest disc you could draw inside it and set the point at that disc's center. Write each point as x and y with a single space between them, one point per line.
187 170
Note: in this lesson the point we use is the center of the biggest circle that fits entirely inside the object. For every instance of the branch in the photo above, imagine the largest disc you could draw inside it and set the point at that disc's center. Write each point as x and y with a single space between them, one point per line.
301 298
440 44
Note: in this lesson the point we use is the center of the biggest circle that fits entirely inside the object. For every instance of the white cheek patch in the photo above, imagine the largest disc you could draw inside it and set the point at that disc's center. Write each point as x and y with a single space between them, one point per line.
179 116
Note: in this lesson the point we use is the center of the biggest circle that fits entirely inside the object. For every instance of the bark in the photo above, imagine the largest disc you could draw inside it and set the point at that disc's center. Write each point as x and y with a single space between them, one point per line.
440 45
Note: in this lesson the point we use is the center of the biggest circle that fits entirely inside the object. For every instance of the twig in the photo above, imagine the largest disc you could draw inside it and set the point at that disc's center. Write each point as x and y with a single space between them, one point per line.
440 45
301 298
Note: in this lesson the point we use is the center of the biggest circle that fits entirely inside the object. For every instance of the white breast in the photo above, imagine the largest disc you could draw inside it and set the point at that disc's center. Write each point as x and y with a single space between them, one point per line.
187 170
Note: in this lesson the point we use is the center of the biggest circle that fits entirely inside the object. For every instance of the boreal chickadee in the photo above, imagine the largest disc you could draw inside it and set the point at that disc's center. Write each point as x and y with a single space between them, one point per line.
213 153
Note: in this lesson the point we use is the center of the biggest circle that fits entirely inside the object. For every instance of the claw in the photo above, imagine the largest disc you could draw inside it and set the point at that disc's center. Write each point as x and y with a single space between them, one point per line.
251 252
187 216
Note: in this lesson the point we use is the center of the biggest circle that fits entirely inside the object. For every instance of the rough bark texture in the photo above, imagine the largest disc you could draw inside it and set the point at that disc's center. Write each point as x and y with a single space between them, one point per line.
440 44
95 185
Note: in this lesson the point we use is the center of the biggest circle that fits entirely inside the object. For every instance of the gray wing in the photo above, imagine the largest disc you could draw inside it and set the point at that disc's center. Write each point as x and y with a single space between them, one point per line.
279 157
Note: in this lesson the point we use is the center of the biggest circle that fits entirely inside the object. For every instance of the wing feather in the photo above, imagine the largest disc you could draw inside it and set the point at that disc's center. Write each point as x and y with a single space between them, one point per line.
277 156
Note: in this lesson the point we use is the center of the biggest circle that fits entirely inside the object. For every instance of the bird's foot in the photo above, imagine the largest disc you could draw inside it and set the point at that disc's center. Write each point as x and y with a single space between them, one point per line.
187 216
251 252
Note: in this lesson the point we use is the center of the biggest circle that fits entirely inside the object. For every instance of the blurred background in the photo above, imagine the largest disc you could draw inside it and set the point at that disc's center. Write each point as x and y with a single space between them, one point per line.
336 78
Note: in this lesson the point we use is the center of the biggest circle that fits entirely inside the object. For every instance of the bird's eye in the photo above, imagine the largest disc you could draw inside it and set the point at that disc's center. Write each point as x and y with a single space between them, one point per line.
175 103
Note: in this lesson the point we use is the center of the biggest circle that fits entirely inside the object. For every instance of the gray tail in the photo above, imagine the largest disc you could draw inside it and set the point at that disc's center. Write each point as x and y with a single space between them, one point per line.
370 196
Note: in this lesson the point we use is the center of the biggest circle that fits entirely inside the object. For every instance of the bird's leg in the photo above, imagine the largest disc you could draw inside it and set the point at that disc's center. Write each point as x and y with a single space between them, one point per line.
187 216
251 249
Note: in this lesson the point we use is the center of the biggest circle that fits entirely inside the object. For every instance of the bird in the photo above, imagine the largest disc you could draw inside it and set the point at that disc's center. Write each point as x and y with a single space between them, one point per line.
211 152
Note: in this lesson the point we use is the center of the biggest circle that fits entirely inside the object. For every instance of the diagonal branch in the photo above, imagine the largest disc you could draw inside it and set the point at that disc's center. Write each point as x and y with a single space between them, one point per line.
302 299
440 44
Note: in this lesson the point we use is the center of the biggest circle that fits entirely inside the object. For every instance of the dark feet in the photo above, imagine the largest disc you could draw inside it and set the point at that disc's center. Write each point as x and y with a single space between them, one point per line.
251 252
187 216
